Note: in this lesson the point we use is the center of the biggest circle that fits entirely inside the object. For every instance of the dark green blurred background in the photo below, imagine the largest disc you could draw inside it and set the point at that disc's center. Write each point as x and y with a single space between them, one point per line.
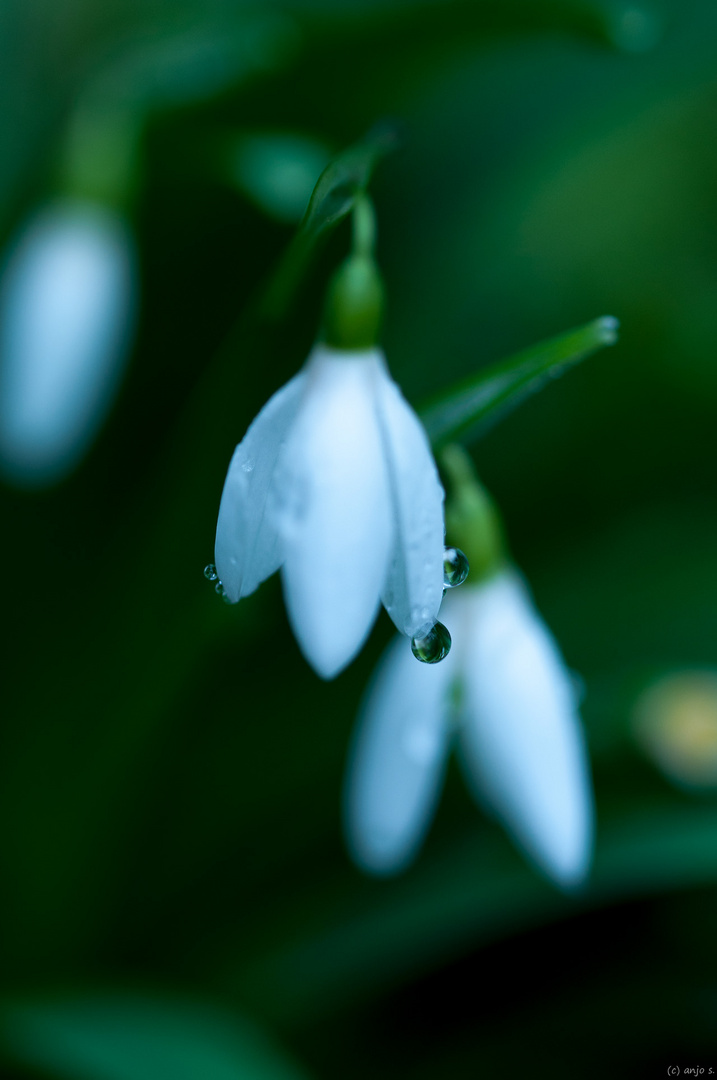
170 768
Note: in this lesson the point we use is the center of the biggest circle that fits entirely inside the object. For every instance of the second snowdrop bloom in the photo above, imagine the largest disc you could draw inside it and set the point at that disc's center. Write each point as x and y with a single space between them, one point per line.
67 307
335 483
506 696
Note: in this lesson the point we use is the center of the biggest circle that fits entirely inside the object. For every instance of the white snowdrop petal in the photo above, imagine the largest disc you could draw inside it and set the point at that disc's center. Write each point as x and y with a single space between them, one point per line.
413 590
522 741
397 760
67 310
332 509
248 548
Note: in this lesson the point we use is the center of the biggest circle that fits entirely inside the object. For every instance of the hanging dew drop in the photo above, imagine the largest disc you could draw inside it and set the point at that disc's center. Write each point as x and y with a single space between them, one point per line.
455 567
432 647
210 573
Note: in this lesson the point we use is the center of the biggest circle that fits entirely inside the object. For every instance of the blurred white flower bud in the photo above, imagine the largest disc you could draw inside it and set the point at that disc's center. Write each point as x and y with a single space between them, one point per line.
67 312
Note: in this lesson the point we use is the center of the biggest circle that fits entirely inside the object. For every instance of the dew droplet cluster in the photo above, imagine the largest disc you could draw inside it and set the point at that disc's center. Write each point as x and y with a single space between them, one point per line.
434 645
210 573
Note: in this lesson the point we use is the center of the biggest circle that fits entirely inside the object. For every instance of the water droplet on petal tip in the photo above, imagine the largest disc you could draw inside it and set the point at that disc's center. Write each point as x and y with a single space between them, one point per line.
433 646
455 567
219 589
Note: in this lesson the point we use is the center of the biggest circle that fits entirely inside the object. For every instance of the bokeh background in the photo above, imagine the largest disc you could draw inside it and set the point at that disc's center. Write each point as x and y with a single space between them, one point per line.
170 769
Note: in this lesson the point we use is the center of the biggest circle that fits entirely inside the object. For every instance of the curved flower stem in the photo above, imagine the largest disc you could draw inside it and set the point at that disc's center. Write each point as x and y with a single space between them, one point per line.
364 226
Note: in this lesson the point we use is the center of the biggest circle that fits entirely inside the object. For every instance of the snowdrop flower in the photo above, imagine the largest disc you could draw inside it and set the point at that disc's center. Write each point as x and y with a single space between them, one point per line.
506 696
335 483
67 298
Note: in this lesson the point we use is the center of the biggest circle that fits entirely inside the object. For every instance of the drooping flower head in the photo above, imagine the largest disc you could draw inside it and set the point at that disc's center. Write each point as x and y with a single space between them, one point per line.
67 302
335 483
506 697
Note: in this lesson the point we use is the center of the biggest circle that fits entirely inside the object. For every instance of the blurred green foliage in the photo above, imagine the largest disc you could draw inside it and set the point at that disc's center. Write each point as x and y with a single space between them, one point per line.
170 770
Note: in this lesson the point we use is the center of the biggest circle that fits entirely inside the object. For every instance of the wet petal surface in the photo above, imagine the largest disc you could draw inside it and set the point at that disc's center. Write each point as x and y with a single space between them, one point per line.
248 547
413 590
333 511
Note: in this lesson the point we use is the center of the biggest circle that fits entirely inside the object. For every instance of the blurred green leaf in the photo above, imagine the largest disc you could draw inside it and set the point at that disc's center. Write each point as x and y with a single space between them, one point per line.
277 171
173 68
115 1035
382 933
333 198
454 413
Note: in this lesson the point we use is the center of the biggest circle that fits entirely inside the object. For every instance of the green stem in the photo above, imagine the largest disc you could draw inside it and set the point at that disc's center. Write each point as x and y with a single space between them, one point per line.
364 226
355 297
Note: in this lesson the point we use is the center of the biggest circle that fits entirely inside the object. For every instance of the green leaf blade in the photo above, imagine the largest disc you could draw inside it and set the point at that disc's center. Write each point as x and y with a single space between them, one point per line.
137 1035
457 412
